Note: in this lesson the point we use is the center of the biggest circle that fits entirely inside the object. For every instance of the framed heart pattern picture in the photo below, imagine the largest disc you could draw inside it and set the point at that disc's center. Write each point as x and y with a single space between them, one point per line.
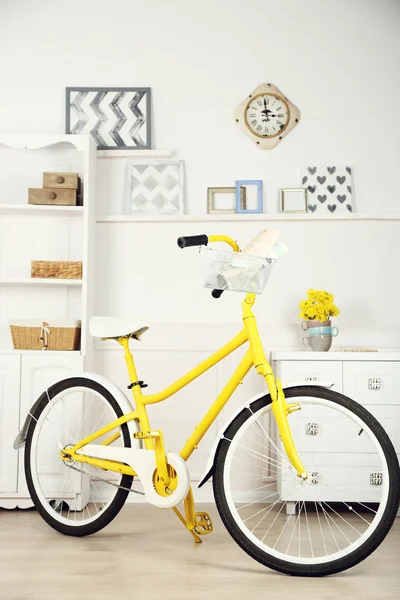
329 189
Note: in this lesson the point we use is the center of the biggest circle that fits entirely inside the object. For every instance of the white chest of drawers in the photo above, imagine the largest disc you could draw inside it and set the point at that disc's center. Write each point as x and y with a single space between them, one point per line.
370 378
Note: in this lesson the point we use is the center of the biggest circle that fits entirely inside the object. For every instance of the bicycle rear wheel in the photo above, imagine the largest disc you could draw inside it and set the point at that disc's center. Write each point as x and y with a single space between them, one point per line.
72 497
327 523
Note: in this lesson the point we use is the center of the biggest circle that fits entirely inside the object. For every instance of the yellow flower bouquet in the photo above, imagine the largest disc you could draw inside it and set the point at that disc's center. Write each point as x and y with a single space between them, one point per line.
319 306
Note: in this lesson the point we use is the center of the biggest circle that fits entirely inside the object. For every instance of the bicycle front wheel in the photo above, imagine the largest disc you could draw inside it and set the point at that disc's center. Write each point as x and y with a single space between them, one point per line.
337 516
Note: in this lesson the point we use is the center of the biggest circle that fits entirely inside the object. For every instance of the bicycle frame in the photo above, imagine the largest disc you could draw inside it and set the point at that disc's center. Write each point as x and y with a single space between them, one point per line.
254 356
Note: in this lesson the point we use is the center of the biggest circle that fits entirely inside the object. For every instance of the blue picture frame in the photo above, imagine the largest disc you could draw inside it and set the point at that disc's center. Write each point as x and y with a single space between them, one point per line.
244 182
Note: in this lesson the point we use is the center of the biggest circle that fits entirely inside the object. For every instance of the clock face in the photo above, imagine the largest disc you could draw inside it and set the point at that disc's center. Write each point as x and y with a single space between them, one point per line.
267 115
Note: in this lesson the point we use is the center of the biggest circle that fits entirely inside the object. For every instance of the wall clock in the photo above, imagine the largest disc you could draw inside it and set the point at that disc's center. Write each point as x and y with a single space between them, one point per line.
266 115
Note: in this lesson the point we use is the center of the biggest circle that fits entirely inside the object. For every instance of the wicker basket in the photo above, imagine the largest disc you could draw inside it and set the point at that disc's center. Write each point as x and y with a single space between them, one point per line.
53 269
46 335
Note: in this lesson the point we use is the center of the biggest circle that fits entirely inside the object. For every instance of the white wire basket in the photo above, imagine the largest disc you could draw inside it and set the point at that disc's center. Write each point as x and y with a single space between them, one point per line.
235 271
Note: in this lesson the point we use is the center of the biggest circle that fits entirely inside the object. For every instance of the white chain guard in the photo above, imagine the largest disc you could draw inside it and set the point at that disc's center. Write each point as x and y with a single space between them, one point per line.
143 462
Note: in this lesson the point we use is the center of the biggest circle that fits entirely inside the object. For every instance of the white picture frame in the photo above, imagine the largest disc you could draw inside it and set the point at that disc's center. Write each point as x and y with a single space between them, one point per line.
293 200
155 186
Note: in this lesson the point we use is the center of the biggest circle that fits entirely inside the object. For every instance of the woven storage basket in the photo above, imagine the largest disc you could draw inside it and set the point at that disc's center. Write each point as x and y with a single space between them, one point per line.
46 335
53 269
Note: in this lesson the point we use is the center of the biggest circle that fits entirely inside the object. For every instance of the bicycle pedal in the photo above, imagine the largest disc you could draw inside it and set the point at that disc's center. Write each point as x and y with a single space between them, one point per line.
203 523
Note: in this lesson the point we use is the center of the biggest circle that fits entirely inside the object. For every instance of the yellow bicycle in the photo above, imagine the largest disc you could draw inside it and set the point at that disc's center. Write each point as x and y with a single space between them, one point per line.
284 494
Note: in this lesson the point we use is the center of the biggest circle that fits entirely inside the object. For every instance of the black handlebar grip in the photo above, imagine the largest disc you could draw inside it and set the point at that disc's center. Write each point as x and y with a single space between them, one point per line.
193 240
217 293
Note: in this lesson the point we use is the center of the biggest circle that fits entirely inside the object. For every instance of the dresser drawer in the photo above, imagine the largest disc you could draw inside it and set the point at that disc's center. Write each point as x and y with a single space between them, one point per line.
372 382
54 196
311 370
325 429
61 180
360 482
389 418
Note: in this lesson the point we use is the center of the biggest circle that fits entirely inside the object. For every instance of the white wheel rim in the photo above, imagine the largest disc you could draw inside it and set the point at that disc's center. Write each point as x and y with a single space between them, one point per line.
38 485
383 467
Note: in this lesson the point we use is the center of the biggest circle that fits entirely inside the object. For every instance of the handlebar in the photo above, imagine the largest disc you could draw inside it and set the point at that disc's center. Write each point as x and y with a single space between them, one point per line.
202 240
193 240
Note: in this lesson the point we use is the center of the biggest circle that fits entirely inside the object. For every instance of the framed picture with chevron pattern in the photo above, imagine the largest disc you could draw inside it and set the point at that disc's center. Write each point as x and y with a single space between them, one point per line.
155 186
115 118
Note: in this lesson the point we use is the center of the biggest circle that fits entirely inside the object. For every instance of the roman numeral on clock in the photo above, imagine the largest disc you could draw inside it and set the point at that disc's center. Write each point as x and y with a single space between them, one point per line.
254 122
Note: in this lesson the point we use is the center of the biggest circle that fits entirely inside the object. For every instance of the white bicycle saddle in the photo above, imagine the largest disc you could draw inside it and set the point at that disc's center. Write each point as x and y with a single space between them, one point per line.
110 328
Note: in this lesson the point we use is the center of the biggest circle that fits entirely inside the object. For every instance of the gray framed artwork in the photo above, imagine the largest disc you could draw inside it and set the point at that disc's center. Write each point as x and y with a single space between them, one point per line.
115 118
329 189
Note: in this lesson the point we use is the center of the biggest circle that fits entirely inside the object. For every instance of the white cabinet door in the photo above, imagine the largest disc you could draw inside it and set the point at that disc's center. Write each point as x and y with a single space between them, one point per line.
9 416
37 374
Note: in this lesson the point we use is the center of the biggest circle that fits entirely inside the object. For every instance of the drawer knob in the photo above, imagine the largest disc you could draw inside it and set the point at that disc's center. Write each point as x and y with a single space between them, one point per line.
374 383
60 179
315 477
312 378
375 478
312 429
52 196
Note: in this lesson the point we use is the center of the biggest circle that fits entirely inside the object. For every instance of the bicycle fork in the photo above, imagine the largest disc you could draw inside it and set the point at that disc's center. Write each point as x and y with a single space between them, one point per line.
280 408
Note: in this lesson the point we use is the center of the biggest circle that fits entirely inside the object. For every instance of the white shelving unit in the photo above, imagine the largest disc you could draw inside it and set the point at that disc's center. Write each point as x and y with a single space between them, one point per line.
38 281
32 209
30 232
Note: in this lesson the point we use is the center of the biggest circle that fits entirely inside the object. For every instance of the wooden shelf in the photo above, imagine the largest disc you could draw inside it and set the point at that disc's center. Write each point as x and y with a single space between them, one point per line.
44 352
33 209
40 281
123 153
265 217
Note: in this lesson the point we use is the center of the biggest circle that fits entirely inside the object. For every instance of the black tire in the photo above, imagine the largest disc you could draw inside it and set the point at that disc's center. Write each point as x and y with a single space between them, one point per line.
117 503
289 567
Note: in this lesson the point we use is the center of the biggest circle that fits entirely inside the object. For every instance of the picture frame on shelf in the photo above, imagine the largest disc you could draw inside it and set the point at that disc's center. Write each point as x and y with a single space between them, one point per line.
329 189
254 201
114 117
155 186
293 200
222 200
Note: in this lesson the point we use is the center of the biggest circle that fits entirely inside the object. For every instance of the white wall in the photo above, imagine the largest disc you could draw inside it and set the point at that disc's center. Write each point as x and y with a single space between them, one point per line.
339 62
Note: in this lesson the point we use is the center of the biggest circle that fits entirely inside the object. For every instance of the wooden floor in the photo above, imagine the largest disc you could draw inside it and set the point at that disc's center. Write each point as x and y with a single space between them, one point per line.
37 563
